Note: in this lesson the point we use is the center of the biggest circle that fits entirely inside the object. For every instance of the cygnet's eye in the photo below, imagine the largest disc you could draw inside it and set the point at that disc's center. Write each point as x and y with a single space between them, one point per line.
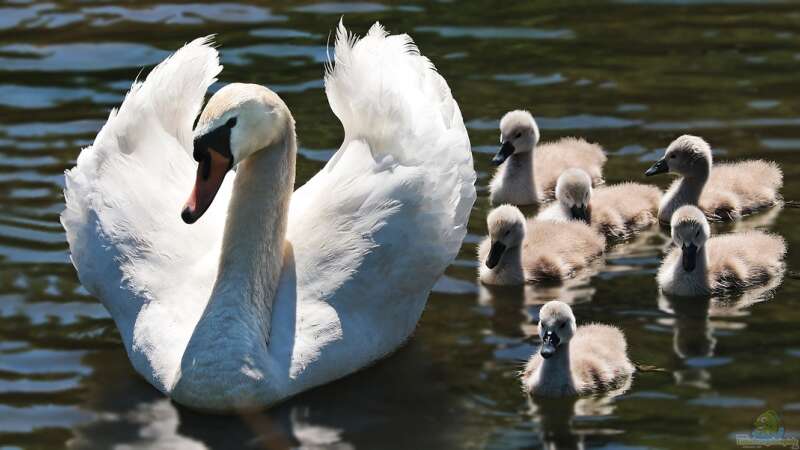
697 234
231 122
673 156
518 135
508 231
563 324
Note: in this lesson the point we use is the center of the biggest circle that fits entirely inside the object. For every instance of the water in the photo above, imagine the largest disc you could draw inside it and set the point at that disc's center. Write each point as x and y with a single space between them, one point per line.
631 75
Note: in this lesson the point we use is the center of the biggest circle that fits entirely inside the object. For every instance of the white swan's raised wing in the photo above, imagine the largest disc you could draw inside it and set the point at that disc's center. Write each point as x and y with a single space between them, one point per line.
123 204
379 224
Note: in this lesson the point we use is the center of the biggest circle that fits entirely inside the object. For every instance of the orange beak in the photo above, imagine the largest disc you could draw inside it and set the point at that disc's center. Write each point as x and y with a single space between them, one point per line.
210 174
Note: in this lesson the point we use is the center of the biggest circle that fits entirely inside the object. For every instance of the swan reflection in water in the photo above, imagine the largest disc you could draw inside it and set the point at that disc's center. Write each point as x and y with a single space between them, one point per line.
567 423
696 323
572 292
163 425
518 305
405 391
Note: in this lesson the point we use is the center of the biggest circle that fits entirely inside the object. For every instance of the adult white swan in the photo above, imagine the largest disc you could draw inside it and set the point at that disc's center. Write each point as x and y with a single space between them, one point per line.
270 292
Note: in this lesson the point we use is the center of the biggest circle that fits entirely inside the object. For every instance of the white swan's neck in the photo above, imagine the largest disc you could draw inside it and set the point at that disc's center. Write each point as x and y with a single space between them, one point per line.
555 376
225 360
255 231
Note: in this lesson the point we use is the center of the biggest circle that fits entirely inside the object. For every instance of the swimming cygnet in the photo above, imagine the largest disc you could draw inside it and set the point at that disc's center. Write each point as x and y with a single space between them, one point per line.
724 192
528 170
702 266
617 211
518 251
575 360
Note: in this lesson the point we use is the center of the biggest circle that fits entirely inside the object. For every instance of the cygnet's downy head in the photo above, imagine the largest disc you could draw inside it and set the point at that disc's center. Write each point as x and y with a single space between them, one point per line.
688 155
238 121
574 192
690 231
506 230
556 327
518 134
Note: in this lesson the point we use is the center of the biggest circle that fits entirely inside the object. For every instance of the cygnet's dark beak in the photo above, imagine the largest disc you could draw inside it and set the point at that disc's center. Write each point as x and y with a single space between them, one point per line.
659 167
549 344
494 254
689 257
581 213
506 150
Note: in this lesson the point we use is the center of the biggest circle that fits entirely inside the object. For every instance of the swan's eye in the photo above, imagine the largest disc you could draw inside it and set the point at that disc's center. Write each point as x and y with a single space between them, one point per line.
231 122
697 234
518 135
673 156
507 232
563 324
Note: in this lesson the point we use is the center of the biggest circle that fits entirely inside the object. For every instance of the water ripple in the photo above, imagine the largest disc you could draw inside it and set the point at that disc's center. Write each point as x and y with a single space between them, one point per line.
342 8
25 420
185 14
79 57
30 97
497 32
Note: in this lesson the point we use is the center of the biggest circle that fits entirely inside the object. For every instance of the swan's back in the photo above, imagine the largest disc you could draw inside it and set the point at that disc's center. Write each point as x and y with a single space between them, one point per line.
558 250
741 260
737 189
550 159
621 209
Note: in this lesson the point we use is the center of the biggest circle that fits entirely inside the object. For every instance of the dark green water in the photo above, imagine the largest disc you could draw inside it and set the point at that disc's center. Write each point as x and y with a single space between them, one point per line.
631 75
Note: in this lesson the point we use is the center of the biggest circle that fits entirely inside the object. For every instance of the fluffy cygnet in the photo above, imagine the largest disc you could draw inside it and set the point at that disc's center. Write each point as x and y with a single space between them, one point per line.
575 360
518 250
702 266
617 211
528 170
724 192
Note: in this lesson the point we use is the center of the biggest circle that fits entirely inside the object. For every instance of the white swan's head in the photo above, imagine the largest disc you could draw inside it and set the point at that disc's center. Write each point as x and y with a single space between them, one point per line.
506 230
687 155
238 121
574 191
556 326
518 133
690 231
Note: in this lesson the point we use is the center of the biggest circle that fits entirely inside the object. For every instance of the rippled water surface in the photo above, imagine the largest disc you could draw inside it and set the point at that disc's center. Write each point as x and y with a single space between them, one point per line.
631 75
